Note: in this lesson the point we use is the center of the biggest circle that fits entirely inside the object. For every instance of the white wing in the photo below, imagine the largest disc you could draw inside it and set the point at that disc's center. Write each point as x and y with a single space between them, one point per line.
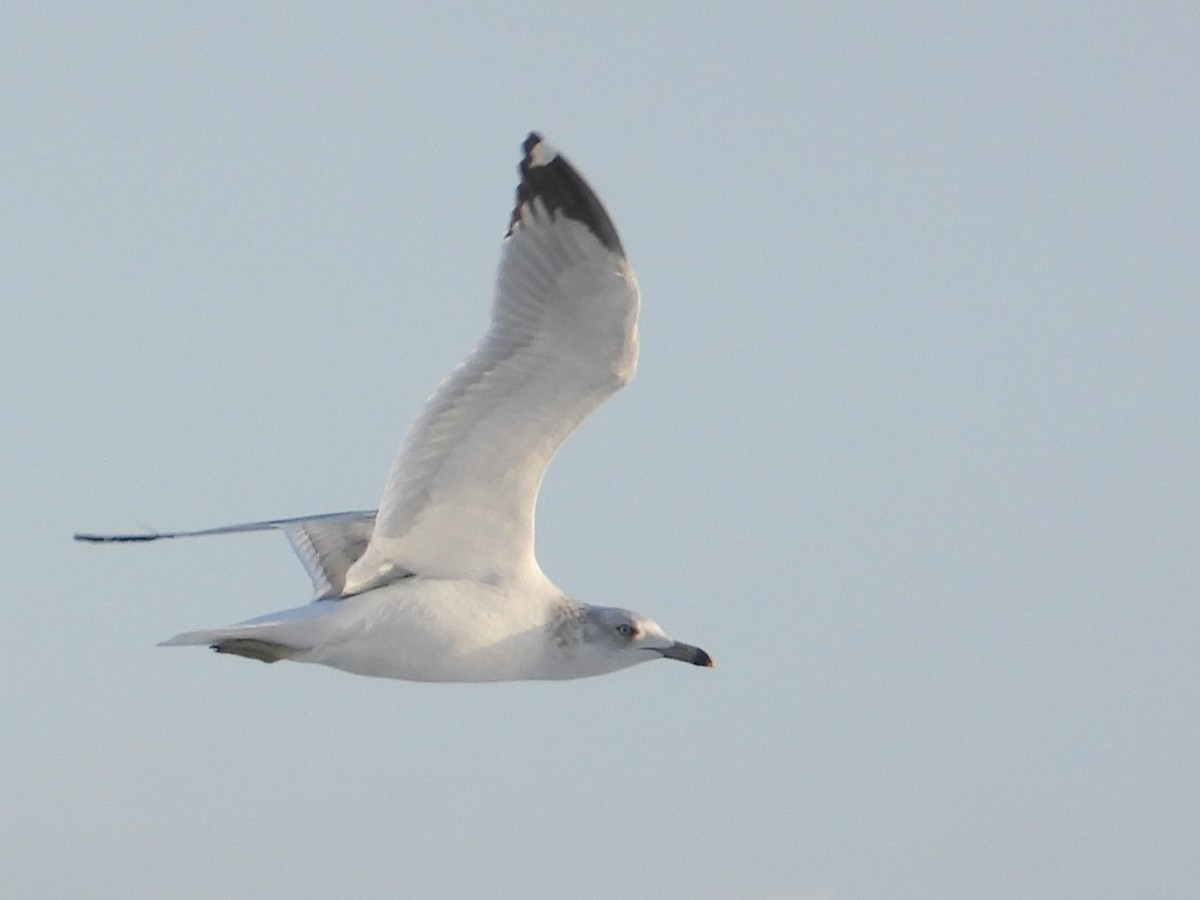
327 544
460 497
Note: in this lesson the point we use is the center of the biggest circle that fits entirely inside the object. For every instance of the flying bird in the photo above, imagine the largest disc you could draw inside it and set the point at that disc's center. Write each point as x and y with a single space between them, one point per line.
441 582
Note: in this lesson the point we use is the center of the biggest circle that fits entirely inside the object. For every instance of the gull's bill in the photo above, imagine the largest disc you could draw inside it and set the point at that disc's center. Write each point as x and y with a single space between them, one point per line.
688 654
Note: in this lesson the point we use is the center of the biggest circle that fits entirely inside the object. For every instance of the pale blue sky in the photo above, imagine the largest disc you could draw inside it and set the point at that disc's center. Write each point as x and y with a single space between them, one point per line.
912 450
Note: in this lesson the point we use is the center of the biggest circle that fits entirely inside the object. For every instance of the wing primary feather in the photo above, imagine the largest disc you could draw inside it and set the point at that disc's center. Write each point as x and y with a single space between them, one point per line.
141 537
547 176
327 545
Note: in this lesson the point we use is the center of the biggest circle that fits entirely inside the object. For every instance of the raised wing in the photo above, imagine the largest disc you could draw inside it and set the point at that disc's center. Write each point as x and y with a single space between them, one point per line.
326 544
459 500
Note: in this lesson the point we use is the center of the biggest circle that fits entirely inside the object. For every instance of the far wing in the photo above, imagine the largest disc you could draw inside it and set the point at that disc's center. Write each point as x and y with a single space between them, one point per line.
459 500
326 544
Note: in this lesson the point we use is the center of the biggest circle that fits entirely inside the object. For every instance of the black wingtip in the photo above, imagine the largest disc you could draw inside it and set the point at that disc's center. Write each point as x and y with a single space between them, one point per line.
546 175
114 538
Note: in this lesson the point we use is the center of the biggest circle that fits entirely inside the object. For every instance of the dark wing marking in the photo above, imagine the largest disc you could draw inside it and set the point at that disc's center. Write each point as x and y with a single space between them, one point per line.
547 176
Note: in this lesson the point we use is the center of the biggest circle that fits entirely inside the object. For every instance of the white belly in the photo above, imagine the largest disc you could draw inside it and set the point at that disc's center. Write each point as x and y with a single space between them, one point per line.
434 630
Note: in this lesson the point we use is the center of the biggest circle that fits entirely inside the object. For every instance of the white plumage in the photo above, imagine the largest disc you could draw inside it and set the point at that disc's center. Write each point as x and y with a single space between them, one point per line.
442 584
460 498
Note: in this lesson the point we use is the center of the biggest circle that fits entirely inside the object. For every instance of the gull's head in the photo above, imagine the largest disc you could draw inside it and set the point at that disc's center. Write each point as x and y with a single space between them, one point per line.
615 638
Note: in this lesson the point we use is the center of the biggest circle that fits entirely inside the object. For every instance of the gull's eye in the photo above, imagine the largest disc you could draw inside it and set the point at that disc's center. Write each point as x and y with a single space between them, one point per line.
625 630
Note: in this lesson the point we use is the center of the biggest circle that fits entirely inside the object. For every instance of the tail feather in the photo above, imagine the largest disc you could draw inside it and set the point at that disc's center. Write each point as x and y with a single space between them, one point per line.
197 638
234 641
263 651
269 638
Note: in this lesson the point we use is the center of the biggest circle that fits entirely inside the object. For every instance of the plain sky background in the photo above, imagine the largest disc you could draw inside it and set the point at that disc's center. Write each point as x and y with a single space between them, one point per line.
912 450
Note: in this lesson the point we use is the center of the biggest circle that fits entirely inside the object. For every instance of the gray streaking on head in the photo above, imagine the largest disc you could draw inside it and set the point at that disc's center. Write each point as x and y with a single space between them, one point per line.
441 584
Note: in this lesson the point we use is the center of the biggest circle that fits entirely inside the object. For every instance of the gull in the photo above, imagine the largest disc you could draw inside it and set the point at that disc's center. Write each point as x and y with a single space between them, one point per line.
441 582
